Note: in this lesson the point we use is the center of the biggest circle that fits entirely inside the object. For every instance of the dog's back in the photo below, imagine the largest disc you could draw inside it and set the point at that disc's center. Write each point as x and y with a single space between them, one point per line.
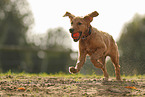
93 41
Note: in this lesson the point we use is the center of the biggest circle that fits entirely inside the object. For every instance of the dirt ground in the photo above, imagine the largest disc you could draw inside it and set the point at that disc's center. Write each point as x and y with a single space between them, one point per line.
36 86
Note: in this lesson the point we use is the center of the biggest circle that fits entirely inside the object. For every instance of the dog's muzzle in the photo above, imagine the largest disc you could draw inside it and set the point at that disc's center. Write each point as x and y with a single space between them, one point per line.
76 36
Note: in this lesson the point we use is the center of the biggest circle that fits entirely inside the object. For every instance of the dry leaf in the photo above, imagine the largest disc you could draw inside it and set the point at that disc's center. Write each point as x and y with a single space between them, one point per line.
21 88
131 87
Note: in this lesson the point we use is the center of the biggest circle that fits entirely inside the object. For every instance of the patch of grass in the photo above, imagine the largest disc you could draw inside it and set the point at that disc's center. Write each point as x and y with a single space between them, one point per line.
61 74
134 77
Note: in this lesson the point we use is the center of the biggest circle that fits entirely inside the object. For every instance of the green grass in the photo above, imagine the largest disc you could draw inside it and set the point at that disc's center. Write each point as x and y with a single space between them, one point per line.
61 74
48 75
134 76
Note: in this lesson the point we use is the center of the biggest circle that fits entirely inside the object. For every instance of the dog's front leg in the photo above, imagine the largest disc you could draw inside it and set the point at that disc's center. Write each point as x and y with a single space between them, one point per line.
97 55
98 59
79 64
100 51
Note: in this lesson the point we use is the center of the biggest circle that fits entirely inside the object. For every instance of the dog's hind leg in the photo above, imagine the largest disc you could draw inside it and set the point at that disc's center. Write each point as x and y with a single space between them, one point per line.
103 61
101 64
115 59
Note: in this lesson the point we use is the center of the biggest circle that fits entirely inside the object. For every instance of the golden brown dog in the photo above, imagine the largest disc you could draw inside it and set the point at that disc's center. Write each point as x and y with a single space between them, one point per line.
97 44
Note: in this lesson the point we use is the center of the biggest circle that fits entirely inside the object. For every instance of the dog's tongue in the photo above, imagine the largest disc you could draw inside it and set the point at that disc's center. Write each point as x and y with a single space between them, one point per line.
76 35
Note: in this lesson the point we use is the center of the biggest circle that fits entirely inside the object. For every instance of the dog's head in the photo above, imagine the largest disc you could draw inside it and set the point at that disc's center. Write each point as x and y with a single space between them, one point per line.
80 26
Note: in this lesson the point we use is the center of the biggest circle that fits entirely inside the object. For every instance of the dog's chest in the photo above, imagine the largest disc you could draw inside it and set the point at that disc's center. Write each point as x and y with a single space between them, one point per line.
89 46
90 49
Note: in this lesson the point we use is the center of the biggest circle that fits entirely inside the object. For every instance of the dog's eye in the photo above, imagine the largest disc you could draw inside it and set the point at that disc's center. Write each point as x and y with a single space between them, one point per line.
79 23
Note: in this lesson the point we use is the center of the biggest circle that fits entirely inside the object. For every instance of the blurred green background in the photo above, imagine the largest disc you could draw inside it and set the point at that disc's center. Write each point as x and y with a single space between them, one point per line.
51 52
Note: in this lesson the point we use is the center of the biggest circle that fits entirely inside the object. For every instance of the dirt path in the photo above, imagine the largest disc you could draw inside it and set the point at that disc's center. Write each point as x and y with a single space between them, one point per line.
73 86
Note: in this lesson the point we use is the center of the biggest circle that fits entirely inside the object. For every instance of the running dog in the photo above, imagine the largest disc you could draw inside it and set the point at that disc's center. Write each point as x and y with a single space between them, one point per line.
97 44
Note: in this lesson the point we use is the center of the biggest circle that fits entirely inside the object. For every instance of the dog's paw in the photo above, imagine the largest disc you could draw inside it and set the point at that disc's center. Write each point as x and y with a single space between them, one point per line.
72 70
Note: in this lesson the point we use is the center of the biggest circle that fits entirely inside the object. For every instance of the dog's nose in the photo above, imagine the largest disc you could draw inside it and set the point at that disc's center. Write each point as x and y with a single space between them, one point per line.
71 30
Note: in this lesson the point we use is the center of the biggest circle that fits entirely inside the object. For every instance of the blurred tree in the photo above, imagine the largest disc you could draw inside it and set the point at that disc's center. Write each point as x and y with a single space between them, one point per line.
132 47
50 52
59 43
15 21
58 39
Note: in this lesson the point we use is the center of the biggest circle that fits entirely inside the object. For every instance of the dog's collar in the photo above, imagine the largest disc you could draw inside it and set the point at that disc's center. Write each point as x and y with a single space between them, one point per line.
88 33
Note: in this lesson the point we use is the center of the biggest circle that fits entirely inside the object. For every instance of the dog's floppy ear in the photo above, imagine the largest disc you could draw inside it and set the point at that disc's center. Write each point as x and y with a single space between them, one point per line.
69 14
90 16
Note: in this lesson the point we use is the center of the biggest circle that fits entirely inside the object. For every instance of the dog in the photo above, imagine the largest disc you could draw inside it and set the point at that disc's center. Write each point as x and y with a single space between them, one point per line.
97 44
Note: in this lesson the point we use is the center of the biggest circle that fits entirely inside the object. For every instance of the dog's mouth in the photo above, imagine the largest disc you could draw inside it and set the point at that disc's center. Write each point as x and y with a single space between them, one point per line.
76 36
